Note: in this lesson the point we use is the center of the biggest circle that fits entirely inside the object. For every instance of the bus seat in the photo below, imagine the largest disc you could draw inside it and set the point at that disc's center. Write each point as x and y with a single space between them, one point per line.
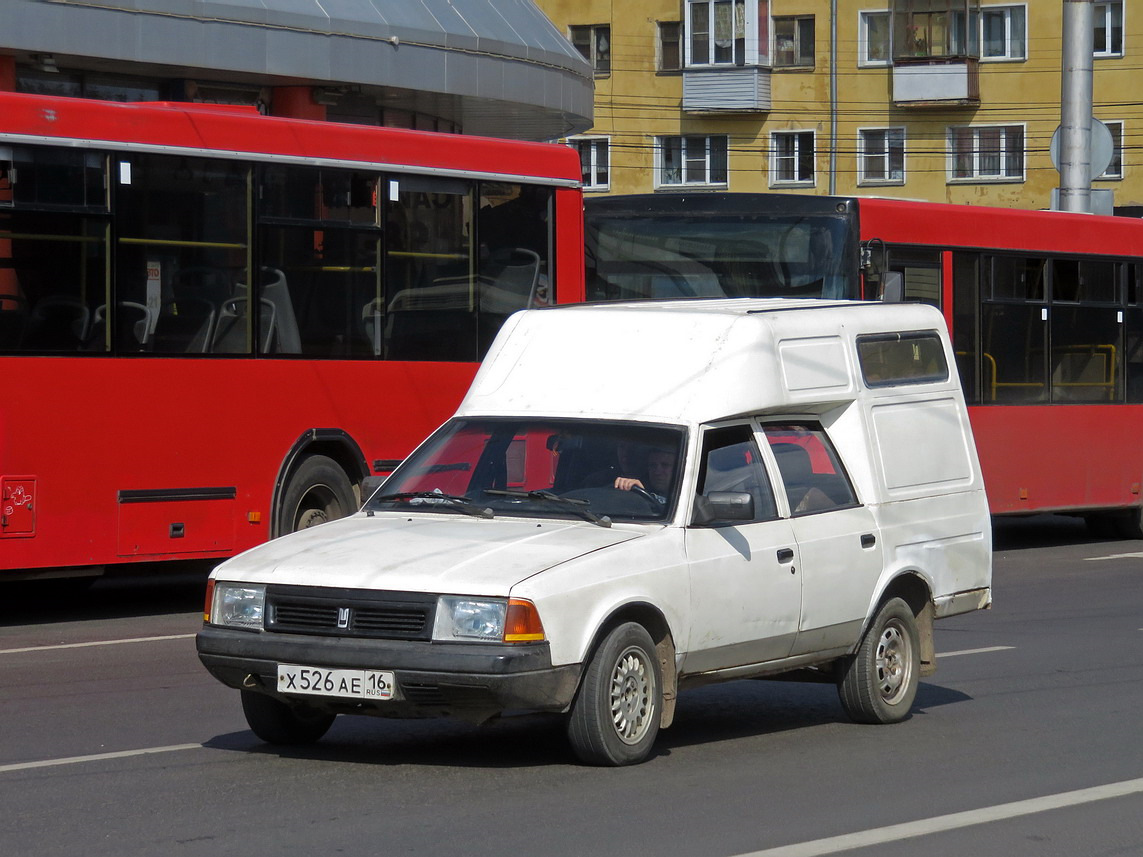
287 338
184 326
132 327
57 323
13 319
230 332
372 320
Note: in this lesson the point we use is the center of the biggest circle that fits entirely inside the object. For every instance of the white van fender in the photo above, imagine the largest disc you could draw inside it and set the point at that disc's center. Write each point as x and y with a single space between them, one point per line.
915 588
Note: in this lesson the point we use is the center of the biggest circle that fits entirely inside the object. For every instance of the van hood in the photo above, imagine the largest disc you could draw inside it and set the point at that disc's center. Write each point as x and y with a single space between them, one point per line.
422 553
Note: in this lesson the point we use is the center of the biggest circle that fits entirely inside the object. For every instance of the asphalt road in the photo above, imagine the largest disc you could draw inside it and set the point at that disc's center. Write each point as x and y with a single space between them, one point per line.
115 741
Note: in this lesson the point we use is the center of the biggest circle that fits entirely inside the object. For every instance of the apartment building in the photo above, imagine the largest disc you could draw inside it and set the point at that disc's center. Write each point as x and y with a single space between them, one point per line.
942 100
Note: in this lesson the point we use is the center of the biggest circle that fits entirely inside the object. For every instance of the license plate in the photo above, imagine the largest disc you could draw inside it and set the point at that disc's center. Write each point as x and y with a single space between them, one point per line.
350 684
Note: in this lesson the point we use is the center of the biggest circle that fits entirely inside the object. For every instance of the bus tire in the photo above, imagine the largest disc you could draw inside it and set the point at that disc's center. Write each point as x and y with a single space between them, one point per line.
879 683
1130 524
616 714
318 491
277 722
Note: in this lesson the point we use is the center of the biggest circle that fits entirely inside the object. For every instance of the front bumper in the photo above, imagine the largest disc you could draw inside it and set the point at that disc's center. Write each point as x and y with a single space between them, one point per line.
472 681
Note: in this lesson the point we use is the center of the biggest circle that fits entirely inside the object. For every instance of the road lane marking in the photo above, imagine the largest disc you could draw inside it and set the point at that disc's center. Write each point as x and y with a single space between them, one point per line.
98 757
96 643
974 651
1134 555
954 821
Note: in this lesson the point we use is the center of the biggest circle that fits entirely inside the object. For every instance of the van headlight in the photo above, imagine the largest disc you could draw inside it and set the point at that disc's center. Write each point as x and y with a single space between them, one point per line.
493 620
470 619
238 605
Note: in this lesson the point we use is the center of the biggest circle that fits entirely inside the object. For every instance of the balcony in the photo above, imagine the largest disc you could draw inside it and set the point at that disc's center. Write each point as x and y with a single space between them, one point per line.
730 89
951 82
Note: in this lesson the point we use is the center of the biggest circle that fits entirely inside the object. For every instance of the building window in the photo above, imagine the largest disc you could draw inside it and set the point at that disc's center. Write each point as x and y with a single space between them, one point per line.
881 156
987 153
792 157
594 161
1108 22
691 161
928 29
1002 33
670 46
594 42
717 34
1115 165
874 36
794 41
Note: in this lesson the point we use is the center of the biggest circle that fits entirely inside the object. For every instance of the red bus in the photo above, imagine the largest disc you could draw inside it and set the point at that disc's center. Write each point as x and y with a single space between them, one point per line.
1045 309
214 325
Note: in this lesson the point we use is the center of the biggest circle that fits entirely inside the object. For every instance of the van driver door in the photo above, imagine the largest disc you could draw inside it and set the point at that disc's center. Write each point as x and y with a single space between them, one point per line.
745 581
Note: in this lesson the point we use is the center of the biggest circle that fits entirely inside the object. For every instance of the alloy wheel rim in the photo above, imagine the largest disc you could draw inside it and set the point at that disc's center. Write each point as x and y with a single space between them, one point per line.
631 696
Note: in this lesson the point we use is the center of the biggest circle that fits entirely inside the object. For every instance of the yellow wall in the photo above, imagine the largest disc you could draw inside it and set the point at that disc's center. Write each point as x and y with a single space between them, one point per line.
635 103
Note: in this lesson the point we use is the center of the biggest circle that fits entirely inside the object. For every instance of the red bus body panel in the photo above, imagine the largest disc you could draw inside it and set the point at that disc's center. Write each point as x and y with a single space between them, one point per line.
82 436
1035 458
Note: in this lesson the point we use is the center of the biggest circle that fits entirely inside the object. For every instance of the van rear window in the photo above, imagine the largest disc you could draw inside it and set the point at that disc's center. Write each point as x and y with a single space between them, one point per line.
902 358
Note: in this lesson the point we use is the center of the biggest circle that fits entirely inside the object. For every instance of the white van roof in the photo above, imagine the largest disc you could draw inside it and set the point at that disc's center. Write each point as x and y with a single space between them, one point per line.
685 362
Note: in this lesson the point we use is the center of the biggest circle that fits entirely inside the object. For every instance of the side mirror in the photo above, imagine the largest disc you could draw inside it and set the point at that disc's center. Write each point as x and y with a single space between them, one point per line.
892 287
723 507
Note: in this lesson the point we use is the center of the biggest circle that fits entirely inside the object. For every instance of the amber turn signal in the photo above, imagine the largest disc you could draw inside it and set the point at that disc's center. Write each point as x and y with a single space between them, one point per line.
522 624
206 607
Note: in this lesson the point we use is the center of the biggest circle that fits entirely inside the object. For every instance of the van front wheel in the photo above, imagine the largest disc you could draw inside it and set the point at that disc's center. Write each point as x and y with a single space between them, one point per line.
615 717
879 683
277 722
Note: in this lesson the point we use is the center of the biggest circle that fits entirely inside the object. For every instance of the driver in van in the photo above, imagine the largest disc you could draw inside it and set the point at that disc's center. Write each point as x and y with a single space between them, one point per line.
660 473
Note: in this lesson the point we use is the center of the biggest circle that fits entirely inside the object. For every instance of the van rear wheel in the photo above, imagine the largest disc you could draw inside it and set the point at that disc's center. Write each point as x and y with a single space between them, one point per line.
879 683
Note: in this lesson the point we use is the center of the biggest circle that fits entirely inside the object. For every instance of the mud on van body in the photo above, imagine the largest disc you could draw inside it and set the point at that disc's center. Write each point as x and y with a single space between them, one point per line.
634 499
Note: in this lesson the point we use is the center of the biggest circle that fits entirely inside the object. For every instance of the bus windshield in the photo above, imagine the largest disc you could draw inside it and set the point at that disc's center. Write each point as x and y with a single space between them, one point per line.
659 251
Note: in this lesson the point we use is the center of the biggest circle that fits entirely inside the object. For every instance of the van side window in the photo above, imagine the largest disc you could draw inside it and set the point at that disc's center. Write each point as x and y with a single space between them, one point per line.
731 462
902 358
812 475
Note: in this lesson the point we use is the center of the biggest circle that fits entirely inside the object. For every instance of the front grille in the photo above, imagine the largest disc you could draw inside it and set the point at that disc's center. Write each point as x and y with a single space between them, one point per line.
350 612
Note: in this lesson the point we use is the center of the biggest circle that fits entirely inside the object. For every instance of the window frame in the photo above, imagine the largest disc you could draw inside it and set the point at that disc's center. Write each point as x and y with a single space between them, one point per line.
600 60
660 147
796 157
739 50
800 59
592 143
1113 47
887 156
1117 151
864 42
661 42
1004 154
1006 10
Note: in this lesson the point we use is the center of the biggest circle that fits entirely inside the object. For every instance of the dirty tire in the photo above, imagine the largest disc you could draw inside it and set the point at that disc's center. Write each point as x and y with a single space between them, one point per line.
615 717
277 722
879 683
318 491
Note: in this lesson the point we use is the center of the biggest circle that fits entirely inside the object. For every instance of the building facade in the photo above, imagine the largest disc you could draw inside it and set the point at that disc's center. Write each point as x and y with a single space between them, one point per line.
942 100
490 67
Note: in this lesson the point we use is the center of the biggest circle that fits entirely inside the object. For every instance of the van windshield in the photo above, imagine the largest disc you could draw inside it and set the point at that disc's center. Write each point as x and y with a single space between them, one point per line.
577 469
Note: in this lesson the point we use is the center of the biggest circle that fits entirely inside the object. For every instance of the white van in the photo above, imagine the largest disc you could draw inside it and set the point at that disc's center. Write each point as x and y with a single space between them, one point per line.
631 500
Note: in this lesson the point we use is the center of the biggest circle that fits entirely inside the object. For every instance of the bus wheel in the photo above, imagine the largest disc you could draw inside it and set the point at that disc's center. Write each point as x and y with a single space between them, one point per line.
615 717
318 491
1130 524
276 722
879 683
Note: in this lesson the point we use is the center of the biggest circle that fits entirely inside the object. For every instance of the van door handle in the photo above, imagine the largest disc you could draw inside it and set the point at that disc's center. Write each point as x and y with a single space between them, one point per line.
868 540
785 554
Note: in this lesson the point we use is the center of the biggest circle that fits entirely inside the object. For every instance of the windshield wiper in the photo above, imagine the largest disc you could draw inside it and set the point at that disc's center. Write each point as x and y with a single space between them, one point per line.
433 498
575 505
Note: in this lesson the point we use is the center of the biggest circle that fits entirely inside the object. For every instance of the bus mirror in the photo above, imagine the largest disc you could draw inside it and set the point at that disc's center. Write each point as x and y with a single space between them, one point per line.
892 287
